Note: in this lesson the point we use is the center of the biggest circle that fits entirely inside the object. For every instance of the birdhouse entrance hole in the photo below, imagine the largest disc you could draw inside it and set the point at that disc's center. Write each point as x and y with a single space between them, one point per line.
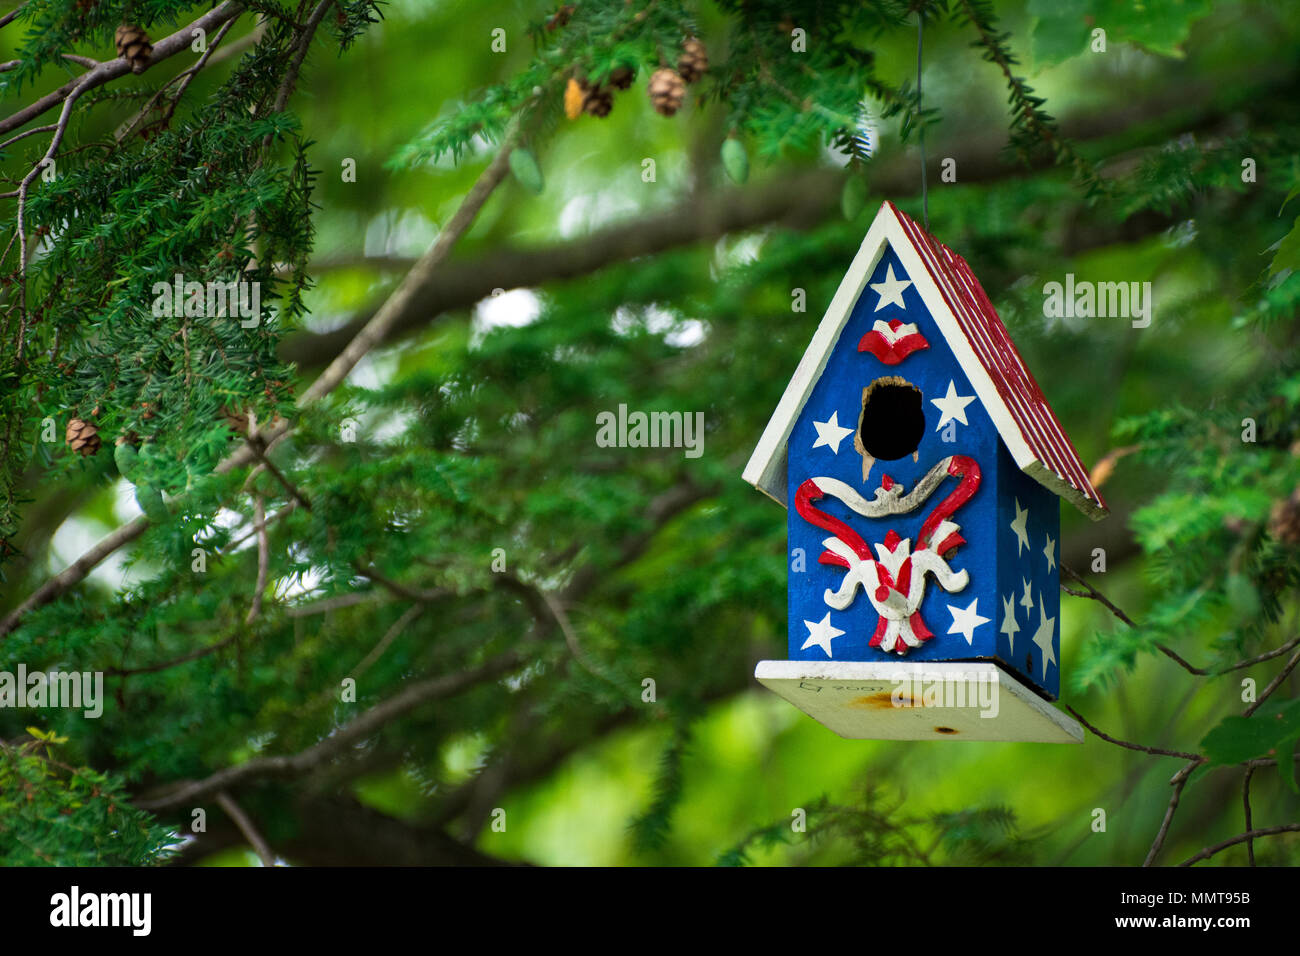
892 422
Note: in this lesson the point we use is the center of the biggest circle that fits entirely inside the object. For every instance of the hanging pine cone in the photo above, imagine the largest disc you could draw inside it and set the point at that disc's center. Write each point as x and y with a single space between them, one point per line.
1284 520
621 77
599 101
133 45
693 61
83 437
667 90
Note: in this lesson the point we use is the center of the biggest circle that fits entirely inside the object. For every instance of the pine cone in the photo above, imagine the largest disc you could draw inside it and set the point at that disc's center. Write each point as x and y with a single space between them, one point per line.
667 90
621 77
693 61
133 45
599 101
1284 520
83 437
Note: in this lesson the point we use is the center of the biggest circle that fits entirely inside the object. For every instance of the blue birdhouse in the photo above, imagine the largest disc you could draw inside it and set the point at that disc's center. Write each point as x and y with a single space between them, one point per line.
920 466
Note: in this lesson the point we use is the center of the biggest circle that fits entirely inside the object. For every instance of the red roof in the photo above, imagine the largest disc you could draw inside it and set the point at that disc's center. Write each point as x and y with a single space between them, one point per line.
996 352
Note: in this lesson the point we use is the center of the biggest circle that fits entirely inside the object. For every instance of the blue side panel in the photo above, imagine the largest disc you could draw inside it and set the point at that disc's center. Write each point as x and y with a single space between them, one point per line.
1027 579
972 609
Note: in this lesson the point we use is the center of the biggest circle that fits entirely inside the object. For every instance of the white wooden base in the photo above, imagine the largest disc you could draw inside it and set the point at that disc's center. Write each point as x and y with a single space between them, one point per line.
918 701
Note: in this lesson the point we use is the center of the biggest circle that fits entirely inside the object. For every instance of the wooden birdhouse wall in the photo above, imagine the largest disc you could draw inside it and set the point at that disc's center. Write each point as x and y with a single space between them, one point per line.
920 404
1033 636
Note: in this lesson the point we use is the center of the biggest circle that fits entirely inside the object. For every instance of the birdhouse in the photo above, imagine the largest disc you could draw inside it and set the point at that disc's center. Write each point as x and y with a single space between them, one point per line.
920 466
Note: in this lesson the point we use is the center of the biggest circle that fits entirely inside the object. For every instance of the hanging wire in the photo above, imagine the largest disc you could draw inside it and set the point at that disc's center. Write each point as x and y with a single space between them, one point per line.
925 193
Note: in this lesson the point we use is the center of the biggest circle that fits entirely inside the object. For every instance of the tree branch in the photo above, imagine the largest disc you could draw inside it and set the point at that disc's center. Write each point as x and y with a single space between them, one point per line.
1274 684
374 719
1240 837
1096 595
263 560
799 200
246 827
1156 751
1245 799
341 831
300 54
112 69
1159 841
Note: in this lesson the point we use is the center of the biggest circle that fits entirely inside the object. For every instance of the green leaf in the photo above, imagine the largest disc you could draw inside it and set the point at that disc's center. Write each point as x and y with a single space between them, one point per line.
1287 251
1270 732
1063 28
524 166
853 198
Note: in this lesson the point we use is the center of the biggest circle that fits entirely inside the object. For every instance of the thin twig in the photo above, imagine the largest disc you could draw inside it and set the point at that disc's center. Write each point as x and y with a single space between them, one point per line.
1245 799
257 528
60 130
295 64
1266 656
326 605
27 132
378 327
263 559
1157 751
259 449
374 719
175 661
1210 851
398 626
571 637
185 77
1159 841
245 824
1096 595
1275 683
418 595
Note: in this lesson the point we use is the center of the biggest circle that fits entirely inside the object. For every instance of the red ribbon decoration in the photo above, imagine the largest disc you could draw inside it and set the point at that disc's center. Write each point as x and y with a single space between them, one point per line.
959 466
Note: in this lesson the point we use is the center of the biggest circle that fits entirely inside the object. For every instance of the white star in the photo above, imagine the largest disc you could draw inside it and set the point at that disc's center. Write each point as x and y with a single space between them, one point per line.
964 621
821 634
891 290
1027 602
1009 625
1043 636
1019 526
831 433
952 405
1050 551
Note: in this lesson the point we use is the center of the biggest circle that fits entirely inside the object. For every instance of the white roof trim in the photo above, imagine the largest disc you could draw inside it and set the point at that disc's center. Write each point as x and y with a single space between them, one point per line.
766 470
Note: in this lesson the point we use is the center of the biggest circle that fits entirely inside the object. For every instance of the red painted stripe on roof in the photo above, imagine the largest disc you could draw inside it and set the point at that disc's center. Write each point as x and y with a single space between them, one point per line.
988 338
